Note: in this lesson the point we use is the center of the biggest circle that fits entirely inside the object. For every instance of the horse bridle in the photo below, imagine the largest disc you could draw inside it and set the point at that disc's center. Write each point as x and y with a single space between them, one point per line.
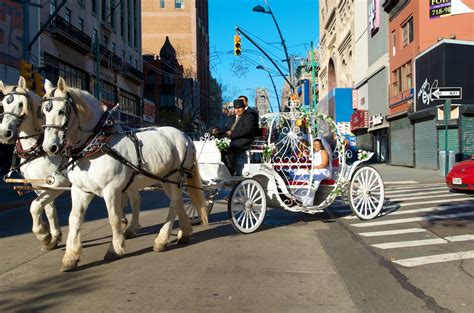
69 104
9 96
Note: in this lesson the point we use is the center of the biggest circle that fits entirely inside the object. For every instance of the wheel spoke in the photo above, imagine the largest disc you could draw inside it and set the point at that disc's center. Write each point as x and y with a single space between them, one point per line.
372 205
365 206
255 201
253 215
358 203
252 222
246 219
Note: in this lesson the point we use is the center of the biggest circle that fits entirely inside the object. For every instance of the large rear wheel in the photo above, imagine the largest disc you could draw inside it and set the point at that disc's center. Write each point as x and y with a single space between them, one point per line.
366 193
247 206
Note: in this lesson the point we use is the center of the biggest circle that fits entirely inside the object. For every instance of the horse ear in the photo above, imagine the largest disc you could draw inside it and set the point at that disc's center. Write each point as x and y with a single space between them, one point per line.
48 86
62 86
22 83
2 87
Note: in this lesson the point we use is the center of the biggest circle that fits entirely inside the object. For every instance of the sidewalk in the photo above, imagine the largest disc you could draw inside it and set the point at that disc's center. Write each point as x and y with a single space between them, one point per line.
400 174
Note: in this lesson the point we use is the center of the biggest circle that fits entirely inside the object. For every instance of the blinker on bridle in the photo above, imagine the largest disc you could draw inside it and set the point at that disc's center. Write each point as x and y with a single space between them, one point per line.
10 97
68 100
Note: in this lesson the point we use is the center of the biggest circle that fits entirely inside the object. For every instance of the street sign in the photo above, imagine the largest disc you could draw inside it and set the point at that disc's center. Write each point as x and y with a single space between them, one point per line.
444 93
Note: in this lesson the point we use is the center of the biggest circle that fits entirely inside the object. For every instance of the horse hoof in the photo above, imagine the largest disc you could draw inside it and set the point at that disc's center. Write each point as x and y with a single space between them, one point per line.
184 240
46 241
52 245
111 256
69 267
129 234
159 247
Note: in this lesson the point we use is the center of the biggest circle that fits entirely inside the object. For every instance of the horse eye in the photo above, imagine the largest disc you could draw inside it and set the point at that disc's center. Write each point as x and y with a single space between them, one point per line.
61 112
10 99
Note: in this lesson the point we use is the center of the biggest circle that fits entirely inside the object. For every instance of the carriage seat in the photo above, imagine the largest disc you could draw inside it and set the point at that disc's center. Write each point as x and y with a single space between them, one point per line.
302 163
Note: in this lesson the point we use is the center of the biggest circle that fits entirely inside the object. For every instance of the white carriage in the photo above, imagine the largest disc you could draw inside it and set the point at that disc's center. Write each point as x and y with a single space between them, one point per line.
267 168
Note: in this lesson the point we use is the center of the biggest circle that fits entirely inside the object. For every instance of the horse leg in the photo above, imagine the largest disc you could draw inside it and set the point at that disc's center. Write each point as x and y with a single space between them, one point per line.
113 201
80 202
40 229
55 229
135 199
124 219
163 237
185 228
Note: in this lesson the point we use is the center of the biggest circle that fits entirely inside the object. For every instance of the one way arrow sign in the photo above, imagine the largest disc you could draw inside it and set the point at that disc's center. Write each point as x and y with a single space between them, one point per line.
444 93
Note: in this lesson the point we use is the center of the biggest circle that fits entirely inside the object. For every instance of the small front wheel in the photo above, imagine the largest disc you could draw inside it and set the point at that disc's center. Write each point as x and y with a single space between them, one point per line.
247 206
191 209
366 193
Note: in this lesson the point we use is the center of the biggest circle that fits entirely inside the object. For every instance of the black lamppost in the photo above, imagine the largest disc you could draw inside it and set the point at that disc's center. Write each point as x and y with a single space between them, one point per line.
260 67
261 9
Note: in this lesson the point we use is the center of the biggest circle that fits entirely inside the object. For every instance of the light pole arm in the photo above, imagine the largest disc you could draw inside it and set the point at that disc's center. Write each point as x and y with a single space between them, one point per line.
282 40
276 92
46 24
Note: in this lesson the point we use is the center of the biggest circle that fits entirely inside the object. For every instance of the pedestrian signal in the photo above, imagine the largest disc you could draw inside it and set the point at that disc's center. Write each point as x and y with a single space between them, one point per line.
26 70
237 46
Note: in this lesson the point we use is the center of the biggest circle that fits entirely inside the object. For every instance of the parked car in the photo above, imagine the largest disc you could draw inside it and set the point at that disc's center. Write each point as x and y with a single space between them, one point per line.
461 176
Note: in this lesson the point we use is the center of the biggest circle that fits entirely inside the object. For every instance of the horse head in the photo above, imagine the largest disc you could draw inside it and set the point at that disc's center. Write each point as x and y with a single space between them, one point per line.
20 105
67 111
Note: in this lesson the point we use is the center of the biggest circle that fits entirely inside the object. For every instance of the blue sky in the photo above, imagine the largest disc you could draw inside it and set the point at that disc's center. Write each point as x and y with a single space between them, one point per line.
299 24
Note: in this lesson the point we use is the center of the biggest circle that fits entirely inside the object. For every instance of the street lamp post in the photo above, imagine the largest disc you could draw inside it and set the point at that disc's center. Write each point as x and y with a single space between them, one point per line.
261 9
260 67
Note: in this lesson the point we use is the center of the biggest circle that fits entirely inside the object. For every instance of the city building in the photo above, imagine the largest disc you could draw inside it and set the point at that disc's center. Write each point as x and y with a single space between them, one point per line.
414 28
335 77
371 74
262 103
185 23
67 47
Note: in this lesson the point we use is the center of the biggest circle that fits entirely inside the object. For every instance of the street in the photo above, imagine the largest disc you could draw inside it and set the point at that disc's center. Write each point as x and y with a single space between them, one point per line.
418 257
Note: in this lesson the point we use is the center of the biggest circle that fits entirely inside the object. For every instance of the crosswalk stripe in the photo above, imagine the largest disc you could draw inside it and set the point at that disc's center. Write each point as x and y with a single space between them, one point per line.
438 258
416 187
413 219
422 210
411 243
459 238
400 182
424 197
424 191
393 232
422 242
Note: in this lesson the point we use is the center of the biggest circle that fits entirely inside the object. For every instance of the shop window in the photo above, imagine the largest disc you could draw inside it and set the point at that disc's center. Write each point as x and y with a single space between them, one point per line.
94 6
162 4
81 24
407 32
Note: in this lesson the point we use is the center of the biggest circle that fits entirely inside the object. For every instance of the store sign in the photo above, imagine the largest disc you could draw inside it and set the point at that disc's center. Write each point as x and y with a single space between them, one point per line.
374 16
439 8
376 120
354 98
148 111
359 120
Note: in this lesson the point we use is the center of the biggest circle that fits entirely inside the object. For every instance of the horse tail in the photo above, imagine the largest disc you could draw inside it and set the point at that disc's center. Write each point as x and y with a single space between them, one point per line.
196 193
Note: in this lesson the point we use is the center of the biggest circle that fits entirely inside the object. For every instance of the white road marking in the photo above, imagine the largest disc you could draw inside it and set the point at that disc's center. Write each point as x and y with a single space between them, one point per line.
393 232
424 197
413 219
438 258
419 192
430 209
399 182
417 186
411 243
459 238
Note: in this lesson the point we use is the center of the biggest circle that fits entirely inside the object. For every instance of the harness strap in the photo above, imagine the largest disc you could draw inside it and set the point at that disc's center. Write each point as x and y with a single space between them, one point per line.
133 137
116 155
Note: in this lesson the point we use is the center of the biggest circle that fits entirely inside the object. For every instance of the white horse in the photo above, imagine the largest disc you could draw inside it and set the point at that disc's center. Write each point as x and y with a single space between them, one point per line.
21 123
159 154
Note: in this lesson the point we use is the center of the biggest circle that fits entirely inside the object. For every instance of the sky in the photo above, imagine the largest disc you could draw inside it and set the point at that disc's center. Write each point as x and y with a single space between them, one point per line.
299 24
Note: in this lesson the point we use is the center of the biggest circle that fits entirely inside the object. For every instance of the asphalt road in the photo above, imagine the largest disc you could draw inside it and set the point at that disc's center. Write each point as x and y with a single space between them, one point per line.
294 263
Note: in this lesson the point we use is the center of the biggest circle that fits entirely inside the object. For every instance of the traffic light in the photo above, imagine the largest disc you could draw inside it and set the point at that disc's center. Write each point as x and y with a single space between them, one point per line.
237 46
26 70
39 85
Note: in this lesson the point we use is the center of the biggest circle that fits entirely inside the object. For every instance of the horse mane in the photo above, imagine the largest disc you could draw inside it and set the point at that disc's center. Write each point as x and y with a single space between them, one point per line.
84 102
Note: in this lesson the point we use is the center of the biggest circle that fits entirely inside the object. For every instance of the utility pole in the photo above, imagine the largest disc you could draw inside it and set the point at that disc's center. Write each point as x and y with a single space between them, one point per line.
313 73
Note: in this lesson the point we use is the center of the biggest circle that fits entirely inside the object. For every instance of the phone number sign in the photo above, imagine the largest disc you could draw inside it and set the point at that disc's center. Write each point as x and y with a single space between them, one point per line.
440 8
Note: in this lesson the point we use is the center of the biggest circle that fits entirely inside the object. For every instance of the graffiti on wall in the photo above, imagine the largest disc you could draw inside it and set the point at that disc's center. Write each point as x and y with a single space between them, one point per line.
11 32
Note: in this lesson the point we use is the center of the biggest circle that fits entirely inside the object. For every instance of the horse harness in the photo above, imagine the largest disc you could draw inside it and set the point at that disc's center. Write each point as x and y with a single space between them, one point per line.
99 139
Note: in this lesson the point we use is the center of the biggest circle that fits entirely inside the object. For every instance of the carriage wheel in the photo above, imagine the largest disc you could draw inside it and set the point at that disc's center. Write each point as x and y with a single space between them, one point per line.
191 210
366 193
247 206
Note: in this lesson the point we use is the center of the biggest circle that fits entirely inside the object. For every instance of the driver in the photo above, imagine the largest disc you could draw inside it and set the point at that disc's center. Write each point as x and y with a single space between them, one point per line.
242 134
